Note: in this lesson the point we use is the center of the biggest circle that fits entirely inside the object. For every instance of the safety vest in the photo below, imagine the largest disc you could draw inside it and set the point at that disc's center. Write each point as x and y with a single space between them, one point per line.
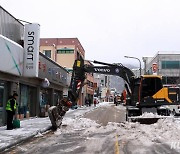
8 105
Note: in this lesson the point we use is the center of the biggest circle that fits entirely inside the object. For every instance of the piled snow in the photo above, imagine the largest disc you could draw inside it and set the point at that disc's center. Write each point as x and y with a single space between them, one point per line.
165 131
149 115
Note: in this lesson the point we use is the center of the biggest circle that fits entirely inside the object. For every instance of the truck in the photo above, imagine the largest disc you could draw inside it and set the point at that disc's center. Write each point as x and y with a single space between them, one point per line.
146 93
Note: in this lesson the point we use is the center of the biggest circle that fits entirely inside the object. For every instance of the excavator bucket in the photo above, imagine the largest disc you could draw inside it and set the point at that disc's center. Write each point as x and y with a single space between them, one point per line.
54 117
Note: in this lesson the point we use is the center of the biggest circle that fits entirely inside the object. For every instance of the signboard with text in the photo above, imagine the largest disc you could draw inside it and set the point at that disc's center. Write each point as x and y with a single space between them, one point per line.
52 71
31 50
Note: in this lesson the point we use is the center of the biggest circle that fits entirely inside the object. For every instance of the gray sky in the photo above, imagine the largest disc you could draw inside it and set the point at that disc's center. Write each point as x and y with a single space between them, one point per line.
107 29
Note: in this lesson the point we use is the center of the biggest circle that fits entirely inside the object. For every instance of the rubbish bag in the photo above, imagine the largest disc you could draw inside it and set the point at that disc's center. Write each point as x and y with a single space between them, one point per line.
16 123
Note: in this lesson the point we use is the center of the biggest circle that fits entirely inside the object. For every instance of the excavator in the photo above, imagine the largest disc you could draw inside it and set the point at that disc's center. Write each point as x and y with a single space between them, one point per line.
146 93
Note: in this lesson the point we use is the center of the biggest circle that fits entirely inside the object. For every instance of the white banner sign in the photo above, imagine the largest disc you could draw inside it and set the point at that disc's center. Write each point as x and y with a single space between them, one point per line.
31 50
11 56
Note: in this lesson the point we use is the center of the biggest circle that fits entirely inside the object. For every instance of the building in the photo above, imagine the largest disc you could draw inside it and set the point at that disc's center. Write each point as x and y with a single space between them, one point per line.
39 83
166 64
64 51
10 27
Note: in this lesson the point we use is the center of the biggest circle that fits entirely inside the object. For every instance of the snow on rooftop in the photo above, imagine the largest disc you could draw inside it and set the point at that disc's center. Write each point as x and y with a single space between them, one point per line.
168 52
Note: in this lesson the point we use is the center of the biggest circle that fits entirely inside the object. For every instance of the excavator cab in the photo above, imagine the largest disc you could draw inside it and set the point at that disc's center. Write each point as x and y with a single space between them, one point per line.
150 85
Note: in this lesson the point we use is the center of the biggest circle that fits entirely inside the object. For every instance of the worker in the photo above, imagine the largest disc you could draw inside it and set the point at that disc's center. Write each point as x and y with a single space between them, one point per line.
124 96
95 102
115 100
10 109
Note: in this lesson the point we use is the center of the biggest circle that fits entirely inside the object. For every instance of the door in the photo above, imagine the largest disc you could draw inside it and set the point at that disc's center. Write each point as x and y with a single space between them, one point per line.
2 103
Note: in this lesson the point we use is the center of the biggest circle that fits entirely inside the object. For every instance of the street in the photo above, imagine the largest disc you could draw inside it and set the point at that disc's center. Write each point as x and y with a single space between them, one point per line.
104 130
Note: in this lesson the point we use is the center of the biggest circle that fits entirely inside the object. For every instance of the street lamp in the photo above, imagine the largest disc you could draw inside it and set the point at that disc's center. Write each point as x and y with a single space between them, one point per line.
139 62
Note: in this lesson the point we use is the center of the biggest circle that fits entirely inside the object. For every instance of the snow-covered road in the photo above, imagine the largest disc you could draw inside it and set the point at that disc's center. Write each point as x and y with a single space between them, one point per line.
84 135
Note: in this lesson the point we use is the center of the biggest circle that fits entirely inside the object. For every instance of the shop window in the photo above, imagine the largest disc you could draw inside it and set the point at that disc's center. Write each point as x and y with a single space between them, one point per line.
65 51
47 53
23 101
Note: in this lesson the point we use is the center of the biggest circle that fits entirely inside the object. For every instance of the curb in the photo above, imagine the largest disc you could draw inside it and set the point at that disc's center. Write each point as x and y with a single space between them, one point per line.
25 138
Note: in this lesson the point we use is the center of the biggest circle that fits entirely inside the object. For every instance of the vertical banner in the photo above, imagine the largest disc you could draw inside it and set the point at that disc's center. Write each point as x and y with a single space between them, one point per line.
31 49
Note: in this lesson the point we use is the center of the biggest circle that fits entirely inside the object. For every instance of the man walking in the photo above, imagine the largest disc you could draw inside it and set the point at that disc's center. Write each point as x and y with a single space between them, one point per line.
10 109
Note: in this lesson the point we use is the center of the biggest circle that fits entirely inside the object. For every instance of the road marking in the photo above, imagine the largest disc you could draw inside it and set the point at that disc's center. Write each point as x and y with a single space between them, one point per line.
116 145
116 142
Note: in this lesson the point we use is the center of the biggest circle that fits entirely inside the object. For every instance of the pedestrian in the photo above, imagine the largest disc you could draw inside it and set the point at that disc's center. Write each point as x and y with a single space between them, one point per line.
115 100
95 102
89 101
10 109
86 102
124 96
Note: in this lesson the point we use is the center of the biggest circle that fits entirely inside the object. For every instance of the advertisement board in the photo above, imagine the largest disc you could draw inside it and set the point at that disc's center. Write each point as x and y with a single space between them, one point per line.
31 50
11 59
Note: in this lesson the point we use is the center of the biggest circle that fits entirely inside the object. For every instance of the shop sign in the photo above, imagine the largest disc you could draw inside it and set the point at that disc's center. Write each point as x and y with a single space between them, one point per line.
31 50
51 71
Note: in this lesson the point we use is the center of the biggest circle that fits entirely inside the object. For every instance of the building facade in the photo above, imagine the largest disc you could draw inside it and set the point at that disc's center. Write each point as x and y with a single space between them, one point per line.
10 27
166 64
36 92
65 51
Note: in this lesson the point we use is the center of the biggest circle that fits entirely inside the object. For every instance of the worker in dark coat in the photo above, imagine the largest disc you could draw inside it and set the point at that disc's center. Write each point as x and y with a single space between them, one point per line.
115 100
10 109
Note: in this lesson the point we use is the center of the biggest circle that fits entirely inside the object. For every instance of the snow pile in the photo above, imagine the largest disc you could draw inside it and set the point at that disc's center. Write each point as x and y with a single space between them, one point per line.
105 104
165 132
77 124
149 115
169 129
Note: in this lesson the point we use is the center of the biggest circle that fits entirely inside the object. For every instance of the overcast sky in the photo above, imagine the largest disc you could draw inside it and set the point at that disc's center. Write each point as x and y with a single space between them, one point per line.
107 29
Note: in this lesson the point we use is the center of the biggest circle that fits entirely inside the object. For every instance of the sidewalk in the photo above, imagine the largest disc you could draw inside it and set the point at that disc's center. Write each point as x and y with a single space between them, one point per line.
29 128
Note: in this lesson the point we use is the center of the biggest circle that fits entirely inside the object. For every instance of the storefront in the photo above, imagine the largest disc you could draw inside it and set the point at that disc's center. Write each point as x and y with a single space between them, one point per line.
58 95
27 101
54 80
11 69
3 100
24 73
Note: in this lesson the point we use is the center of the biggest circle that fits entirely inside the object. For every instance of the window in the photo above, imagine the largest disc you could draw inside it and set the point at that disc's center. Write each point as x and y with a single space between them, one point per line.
65 51
47 53
170 64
